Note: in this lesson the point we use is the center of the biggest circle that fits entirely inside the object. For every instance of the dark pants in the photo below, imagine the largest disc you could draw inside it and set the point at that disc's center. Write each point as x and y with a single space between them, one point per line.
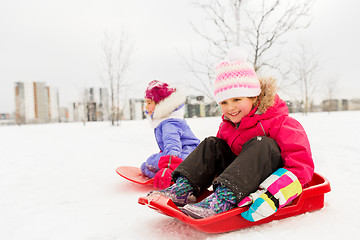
213 162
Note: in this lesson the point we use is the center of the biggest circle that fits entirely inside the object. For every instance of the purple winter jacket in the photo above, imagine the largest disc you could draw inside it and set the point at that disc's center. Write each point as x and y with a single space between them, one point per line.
172 133
174 137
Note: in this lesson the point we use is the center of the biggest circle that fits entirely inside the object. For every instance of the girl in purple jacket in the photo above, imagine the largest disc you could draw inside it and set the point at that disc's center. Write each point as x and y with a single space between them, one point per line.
260 155
165 108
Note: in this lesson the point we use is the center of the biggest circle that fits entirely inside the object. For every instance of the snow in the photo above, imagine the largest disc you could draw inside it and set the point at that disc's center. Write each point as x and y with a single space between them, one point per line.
58 181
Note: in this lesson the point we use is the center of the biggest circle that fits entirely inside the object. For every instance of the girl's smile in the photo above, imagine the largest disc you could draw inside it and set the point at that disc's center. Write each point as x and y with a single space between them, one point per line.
234 114
237 108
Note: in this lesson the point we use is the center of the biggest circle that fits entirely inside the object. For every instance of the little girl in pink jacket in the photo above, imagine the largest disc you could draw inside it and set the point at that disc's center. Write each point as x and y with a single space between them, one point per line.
260 155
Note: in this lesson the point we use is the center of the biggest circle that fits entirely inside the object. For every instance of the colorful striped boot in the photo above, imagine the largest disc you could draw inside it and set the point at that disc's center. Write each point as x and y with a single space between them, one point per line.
181 192
220 201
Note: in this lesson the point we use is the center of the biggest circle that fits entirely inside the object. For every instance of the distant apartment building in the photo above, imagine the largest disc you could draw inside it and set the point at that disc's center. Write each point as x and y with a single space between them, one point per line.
64 114
94 107
335 105
341 104
196 106
136 109
354 104
132 109
36 103
6 119
54 104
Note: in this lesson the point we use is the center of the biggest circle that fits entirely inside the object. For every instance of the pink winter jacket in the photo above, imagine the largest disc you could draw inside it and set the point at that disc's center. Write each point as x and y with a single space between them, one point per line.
275 123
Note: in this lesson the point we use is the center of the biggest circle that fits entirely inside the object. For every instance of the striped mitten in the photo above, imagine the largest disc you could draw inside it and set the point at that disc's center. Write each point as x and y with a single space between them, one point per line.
276 191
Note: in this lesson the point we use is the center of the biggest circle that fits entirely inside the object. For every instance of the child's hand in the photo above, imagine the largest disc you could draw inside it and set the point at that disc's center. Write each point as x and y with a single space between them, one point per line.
150 167
167 165
162 178
276 191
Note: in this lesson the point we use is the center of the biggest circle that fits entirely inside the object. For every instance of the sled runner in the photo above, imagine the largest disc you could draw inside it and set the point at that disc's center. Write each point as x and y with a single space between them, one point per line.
134 174
311 199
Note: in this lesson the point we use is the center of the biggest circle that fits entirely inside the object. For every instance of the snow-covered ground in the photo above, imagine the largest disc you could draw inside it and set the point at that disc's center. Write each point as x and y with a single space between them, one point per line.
58 181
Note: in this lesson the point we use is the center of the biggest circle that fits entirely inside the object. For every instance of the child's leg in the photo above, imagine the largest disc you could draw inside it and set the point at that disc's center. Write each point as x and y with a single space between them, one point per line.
181 192
207 161
259 158
197 171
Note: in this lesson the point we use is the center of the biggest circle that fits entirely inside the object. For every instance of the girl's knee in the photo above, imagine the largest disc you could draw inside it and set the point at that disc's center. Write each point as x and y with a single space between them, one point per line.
211 140
262 141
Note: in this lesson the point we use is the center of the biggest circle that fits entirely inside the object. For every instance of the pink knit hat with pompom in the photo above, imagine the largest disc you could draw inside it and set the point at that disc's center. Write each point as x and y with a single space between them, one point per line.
158 91
235 77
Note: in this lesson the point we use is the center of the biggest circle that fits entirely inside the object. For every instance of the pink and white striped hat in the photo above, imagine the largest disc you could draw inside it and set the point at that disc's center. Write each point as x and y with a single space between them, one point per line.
235 77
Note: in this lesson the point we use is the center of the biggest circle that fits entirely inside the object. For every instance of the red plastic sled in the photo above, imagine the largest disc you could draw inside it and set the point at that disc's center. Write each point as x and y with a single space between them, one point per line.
311 199
134 174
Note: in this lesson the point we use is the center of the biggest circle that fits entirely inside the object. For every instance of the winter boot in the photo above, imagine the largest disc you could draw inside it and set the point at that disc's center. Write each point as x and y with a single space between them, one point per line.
220 201
181 192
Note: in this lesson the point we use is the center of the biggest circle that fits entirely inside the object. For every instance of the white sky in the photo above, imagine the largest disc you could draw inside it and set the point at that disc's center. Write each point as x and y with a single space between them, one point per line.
59 42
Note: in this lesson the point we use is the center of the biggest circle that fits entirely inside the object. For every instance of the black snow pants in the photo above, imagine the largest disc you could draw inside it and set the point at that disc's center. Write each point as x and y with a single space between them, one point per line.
213 162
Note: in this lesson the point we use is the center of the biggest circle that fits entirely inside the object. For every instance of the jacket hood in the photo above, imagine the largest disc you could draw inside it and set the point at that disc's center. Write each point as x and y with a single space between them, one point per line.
267 95
165 107
177 113
270 104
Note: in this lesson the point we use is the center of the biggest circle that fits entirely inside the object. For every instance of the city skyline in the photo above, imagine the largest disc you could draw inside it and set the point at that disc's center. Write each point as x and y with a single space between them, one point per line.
59 42
36 103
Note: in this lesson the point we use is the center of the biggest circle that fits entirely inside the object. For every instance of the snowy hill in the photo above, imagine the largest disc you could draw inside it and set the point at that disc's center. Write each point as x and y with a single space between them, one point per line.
58 181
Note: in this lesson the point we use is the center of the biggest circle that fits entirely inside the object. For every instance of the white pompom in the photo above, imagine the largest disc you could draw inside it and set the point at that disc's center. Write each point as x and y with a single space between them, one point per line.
236 54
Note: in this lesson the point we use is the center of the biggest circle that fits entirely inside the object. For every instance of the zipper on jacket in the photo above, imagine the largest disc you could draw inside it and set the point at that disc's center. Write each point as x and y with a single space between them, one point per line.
262 128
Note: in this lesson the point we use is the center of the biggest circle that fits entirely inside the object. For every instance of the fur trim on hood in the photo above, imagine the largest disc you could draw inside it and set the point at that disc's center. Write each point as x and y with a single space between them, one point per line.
267 95
178 113
165 107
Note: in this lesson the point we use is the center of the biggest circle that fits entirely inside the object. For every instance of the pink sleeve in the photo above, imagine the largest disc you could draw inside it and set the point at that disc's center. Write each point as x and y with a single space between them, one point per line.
295 149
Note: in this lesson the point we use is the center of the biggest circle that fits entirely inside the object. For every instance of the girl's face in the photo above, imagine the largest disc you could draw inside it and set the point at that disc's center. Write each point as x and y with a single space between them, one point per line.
149 106
237 108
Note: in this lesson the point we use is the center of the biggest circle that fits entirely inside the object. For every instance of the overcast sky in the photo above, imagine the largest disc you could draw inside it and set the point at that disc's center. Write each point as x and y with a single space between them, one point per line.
59 42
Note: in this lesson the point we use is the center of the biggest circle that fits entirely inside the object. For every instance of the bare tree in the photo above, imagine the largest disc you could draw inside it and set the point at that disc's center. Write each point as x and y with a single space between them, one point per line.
19 105
305 68
269 23
117 57
330 86
85 100
258 24
223 20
